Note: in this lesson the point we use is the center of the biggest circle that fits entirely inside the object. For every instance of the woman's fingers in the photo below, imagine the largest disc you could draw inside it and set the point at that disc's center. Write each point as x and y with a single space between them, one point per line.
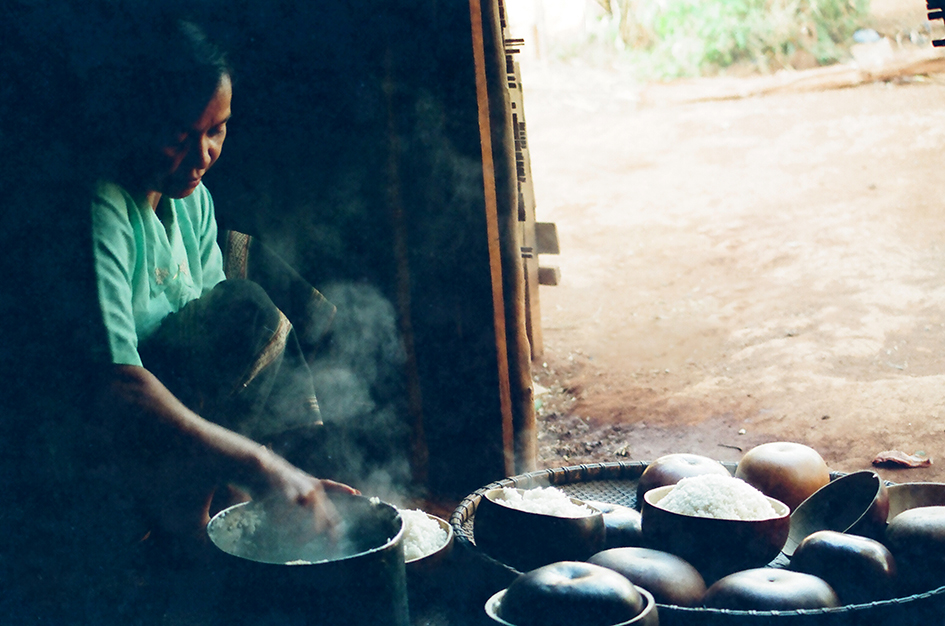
336 487
305 498
310 494
327 518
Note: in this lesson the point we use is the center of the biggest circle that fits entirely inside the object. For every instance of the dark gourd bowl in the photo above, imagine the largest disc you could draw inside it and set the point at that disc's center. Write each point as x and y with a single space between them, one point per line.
916 538
715 547
905 496
647 617
433 560
426 579
856 503
526 540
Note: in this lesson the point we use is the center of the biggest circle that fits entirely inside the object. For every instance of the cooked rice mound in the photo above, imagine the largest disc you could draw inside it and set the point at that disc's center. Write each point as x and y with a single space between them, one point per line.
718 496
423 535
544 500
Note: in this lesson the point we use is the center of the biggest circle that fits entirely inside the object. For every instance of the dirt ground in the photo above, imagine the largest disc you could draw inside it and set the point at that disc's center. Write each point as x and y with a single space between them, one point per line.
742 271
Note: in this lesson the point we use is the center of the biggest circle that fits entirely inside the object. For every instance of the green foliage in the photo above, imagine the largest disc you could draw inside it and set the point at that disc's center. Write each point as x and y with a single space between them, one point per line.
672 38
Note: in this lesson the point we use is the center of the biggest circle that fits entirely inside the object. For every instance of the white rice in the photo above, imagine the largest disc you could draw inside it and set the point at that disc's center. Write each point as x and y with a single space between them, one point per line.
544 500
423 535
239 530
718 496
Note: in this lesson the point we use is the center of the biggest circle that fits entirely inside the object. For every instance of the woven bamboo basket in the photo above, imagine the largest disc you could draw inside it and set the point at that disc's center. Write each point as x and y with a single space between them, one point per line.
617 483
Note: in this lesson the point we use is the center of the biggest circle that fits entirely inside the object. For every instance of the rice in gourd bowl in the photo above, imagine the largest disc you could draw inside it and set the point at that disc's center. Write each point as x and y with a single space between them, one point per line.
544 500
720 524
423 534
528 528
717 496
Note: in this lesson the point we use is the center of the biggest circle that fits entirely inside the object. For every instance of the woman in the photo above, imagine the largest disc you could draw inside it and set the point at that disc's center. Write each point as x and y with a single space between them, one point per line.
195 366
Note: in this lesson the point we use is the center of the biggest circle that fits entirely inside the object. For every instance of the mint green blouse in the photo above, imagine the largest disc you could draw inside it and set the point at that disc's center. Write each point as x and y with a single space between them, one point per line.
150 263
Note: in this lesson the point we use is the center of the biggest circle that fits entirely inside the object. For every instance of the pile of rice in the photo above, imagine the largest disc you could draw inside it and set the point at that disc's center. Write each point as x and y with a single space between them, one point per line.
544 500
718 496
423 535
238 535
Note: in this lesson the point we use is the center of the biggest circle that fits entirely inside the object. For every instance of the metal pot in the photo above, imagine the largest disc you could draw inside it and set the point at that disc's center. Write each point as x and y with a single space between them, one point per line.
277 574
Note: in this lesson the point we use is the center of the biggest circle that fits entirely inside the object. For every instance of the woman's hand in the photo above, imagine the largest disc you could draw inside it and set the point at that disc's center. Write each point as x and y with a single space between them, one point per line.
299 496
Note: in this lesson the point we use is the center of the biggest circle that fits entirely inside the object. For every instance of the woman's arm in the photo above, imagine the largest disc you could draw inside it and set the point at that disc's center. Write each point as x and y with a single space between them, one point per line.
182 458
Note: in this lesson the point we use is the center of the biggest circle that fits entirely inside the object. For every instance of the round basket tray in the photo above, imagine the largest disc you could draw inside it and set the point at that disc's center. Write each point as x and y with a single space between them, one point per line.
616 483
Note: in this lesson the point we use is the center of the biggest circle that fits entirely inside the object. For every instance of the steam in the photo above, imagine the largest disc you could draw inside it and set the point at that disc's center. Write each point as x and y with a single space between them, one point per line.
360 386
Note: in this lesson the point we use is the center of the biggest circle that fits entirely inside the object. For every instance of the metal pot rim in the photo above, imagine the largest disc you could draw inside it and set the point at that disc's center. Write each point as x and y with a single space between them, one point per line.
392 541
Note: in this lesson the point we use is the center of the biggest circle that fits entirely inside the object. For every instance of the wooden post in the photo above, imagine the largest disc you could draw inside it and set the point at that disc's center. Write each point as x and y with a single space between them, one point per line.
498 147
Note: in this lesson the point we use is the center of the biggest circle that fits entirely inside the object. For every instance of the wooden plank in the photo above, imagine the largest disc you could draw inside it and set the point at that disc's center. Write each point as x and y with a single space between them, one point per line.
546 236
492 234
526 210
550 276
507 188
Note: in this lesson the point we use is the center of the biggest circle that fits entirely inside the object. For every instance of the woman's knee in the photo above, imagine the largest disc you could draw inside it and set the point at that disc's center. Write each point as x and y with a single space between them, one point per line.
243 303
220 331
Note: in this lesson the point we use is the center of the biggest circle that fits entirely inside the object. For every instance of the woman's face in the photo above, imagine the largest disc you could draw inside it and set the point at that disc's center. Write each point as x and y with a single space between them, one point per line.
188 156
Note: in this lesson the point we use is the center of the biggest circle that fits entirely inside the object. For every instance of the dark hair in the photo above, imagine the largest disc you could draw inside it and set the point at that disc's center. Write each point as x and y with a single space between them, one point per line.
180 74
157 78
